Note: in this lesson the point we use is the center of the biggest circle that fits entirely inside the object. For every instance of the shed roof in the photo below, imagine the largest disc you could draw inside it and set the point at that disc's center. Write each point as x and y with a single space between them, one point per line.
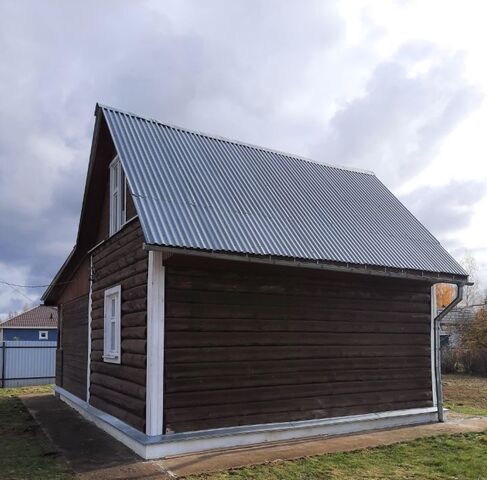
198 191
38 317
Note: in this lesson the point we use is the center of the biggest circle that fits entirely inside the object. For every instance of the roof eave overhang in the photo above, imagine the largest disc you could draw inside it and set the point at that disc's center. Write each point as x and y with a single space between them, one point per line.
388 272
46 296
34 327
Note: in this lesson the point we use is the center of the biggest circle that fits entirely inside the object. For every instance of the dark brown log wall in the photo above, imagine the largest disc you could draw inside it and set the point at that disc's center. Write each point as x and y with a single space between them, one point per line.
252 344
72 357
72 351
78 285
120 389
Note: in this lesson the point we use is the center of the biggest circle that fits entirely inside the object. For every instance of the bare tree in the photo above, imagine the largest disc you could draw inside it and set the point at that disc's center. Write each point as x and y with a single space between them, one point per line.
472 294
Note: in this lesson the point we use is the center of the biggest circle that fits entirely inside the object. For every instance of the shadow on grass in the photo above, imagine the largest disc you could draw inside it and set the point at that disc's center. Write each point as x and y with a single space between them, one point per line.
25 453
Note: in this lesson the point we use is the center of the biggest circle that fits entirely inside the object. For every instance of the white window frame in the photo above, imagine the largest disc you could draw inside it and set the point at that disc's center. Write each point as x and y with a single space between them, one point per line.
118 196
112 355
43 335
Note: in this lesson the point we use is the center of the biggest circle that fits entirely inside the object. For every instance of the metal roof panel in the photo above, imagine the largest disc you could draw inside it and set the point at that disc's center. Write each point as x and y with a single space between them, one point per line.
197 191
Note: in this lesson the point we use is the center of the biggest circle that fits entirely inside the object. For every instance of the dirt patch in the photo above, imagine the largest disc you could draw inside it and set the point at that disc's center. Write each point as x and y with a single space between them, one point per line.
465 394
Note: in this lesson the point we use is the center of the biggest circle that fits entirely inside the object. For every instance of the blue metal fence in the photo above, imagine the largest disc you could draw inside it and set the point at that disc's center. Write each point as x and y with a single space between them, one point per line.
25 363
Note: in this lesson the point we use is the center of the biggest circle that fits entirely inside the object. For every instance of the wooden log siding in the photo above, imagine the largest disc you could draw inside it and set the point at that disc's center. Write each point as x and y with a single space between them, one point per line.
72 358
250 345
120 389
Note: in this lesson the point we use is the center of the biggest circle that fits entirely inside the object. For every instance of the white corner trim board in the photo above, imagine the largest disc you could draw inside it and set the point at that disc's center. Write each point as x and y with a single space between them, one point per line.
151 447
155 344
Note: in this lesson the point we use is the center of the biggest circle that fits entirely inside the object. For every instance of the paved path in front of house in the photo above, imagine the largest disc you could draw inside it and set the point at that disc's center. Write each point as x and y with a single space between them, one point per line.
95 455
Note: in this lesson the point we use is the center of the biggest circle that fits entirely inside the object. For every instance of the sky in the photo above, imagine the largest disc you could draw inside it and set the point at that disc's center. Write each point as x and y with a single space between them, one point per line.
396 87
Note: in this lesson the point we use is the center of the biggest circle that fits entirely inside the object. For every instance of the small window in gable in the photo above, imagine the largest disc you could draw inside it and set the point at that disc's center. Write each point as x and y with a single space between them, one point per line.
118 194
43 334
111 333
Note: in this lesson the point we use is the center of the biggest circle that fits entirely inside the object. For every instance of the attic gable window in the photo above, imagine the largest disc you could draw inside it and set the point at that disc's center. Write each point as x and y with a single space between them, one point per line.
118 196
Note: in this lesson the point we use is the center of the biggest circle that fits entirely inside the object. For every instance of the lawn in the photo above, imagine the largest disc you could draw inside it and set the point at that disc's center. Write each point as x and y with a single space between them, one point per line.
26 454
442 457
465 394
24 451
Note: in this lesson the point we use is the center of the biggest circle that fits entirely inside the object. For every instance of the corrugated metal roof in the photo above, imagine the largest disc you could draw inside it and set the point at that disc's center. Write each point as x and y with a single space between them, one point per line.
38 317
197 191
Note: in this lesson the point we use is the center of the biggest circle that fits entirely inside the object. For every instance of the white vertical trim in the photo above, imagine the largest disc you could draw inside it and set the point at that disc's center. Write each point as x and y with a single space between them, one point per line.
155 344
123 205
88 362
113 213
434 353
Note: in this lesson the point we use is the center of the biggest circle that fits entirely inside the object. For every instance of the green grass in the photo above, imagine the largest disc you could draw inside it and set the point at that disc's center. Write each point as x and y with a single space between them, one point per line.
14 392
467 409
442 457
465 394
25 452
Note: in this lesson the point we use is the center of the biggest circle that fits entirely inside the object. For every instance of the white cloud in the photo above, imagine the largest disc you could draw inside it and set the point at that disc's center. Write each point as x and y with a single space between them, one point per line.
379 84
397 126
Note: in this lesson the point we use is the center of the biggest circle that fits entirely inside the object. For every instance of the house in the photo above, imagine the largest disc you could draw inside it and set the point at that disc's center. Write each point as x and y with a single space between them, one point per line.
222 294
39 323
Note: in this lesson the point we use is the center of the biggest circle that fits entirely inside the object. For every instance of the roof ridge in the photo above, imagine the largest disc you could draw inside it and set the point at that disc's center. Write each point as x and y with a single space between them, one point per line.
27 311
237 142
31 309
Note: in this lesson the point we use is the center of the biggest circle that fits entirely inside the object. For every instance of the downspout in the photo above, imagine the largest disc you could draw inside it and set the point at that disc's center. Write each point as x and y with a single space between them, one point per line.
437 356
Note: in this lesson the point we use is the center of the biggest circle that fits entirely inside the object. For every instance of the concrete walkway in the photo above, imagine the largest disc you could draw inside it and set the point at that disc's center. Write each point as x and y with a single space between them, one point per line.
224 460
94 455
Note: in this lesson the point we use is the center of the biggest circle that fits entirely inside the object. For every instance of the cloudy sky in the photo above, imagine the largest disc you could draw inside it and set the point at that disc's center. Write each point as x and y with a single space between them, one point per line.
393 87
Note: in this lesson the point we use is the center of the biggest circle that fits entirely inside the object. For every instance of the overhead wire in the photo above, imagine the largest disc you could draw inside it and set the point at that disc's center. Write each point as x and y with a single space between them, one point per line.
32 286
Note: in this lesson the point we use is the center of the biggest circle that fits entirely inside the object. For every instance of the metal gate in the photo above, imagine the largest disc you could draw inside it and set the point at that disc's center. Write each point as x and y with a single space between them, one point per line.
25 363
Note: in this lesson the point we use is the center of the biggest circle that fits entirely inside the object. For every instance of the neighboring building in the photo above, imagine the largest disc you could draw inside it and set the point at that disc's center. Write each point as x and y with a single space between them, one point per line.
452 322
222 294
39 323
